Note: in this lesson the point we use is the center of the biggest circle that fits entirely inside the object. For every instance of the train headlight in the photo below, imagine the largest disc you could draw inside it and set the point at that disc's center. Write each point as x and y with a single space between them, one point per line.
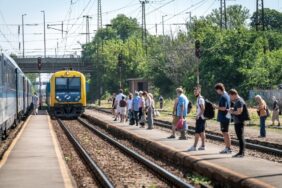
58 98
77 98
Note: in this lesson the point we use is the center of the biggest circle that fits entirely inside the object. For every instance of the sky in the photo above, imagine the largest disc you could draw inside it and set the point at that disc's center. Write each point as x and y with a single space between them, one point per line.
71 12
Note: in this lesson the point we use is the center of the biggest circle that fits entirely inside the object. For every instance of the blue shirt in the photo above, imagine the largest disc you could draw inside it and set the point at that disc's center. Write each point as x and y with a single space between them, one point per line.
182 101
224 101
135 103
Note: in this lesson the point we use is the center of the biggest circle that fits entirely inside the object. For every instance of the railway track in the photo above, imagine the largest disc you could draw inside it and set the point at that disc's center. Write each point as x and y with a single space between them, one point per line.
250 144
103 179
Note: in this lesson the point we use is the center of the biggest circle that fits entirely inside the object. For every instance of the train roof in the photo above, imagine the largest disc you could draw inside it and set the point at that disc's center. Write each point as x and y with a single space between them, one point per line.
12 61
63 72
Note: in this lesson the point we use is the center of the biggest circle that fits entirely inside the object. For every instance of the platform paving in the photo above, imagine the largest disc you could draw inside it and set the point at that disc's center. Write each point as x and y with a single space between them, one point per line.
249 167
33 161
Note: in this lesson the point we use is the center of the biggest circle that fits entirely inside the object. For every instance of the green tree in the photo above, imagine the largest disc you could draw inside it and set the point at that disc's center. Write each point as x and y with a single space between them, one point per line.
272 19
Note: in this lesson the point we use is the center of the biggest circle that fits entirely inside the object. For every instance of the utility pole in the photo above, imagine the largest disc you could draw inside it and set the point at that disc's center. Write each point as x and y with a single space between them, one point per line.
144 30
44 29
260 15
87 33
23 31
156 29
99 15
223 14
163 23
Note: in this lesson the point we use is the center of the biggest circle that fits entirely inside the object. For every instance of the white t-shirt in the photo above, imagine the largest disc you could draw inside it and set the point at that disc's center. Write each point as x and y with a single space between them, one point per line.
119 98
200 101
129 104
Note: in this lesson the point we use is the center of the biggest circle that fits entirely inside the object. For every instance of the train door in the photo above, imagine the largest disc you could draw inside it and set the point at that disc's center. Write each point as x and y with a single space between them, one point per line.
24 94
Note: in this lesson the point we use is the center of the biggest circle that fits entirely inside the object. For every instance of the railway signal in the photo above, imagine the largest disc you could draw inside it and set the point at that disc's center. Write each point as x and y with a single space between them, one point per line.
39 63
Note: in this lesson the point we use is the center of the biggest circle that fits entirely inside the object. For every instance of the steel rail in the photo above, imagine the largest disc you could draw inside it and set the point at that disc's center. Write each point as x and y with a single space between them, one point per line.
164 174
99 174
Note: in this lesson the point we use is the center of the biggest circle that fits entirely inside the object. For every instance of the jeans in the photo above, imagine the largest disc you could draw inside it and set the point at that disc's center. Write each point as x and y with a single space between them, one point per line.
262 126
136 117
239 129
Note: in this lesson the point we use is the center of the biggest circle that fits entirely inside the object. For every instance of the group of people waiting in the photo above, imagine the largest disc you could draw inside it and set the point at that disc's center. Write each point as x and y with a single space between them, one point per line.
231 107
137 109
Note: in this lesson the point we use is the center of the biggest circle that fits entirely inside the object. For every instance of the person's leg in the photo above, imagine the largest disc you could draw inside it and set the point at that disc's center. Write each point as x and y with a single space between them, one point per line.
227 140
243 138
203 138
238 132
263 132
150 118
197 135
136 118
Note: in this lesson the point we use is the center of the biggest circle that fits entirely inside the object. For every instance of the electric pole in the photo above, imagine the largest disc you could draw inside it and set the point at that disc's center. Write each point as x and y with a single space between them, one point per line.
44 31
163 22
223 14
23 31
144 30
260 15
87 33
99 15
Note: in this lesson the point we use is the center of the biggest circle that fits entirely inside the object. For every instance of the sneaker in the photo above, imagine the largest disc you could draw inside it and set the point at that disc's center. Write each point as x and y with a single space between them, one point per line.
182 138
192 149
226 151
238 155
202 148
170 137
115 119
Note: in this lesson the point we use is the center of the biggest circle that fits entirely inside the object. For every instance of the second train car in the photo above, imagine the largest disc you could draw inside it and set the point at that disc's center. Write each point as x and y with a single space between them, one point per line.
66 94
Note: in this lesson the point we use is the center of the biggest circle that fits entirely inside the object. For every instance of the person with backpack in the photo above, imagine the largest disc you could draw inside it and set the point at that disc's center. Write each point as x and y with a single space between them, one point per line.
240 115
122 105
200 120
224 116
118 98
161 100
263 113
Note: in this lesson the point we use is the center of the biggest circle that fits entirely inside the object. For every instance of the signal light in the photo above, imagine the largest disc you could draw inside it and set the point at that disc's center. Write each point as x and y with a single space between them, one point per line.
39 63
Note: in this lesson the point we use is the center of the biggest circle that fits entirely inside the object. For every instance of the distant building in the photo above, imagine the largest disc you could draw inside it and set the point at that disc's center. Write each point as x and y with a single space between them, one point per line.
138 84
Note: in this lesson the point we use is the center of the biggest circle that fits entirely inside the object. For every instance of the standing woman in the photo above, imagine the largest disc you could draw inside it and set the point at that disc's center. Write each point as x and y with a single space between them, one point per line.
149 108
129 108
261 109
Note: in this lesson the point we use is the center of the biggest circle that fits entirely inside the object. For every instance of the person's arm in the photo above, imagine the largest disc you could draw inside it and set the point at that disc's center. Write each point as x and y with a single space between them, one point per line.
239 109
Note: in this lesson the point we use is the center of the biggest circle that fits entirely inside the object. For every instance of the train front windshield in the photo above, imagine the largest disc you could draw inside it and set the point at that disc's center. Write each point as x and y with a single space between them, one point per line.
68 89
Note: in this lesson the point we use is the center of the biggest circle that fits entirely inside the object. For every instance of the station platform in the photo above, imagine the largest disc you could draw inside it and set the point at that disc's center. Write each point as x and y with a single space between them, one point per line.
34 158
247 171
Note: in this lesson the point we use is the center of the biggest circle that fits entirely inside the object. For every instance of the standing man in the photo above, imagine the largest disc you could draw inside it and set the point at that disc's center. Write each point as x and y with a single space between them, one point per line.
117 103
275 113
180 110
35 102
239 119
200 120
224 116
135 106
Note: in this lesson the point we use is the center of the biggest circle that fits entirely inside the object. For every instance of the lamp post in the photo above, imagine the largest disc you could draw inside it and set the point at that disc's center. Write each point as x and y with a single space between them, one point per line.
23 31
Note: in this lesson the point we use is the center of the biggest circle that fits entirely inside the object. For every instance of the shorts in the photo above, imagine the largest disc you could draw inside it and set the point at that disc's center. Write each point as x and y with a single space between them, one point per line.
175 120
224 127
122 110
200 125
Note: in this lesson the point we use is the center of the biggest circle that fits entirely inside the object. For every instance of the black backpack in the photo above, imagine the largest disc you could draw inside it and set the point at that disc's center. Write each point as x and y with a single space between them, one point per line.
209 110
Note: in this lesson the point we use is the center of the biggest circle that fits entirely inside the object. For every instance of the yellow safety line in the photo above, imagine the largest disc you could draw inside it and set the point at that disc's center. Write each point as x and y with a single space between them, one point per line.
8 152
63 167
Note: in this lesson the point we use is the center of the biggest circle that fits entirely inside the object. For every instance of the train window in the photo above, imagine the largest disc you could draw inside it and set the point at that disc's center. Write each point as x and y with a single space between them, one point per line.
61 84
74 84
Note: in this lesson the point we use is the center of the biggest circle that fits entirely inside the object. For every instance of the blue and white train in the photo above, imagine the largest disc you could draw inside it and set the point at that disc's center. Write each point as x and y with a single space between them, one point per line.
15 94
